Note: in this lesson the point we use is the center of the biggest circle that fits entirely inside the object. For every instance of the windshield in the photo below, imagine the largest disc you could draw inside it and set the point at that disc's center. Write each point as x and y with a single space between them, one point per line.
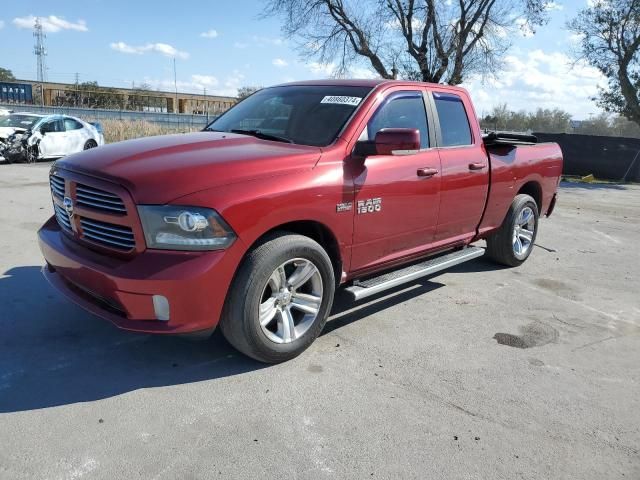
303 114
18 121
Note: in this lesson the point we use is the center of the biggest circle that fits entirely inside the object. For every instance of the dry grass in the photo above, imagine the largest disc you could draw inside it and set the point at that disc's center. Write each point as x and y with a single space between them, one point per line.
118 130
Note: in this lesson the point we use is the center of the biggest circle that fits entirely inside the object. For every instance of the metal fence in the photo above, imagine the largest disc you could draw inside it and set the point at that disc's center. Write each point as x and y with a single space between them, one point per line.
173 120
611 158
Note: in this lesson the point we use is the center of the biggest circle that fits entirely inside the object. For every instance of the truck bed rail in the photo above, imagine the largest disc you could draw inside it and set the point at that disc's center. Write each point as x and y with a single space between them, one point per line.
507 138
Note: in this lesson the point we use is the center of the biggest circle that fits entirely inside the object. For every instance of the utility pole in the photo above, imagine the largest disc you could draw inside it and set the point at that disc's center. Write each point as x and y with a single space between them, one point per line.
175 84
206 104
77 98
40 51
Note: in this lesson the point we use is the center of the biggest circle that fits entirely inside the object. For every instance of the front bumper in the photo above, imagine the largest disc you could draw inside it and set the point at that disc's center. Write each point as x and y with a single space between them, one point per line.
121 290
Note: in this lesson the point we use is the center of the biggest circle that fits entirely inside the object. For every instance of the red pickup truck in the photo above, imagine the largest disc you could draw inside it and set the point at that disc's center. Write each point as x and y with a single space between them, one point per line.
301 188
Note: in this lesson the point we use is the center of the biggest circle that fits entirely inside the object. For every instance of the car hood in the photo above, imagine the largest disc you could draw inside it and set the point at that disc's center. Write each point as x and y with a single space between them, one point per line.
6 132
157 170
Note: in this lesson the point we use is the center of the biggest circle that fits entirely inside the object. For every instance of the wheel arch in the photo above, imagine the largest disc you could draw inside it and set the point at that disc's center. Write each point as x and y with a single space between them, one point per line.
534 190
318 232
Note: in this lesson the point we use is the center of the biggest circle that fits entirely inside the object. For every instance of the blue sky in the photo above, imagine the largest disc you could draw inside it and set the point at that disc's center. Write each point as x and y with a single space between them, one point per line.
221 45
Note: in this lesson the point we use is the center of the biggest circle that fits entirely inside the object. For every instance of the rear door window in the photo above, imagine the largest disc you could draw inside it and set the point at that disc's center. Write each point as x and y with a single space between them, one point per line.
71 124
454 123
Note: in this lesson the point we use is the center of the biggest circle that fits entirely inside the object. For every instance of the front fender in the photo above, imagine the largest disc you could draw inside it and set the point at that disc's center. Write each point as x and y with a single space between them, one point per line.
255 207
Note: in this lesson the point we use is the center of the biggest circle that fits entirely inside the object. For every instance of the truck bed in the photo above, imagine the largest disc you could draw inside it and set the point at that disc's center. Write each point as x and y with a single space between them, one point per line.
535 168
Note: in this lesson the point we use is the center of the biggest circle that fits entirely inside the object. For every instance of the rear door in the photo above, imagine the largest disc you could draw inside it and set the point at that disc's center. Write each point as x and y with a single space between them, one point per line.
76 136
464 166
396 207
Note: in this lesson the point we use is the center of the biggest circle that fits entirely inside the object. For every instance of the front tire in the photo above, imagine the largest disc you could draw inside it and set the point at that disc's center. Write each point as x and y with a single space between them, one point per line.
280 298
512 244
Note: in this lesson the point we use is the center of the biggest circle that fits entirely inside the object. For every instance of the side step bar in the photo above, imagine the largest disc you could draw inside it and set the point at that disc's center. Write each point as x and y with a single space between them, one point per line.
371 286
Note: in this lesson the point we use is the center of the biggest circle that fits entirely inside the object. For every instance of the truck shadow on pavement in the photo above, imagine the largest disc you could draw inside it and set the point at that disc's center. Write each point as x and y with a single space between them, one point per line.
52 353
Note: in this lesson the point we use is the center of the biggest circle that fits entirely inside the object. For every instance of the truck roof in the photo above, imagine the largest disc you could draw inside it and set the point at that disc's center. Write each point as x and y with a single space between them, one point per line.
364 82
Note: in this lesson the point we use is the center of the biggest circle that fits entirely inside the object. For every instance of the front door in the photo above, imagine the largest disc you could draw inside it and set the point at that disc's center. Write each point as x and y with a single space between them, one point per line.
53 138
396 196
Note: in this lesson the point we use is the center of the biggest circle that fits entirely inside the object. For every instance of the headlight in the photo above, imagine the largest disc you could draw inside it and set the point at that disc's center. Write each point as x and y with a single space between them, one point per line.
184 228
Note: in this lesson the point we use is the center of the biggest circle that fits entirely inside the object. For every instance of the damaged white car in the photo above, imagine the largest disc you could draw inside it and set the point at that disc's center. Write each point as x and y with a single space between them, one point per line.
30 137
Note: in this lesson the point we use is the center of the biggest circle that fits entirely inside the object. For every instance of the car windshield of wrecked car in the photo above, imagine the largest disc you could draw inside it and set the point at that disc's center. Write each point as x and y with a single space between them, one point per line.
301 114
19 121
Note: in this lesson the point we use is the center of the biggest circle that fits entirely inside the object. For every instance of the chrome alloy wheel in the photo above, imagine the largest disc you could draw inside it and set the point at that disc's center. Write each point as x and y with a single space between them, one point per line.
523 231
290 301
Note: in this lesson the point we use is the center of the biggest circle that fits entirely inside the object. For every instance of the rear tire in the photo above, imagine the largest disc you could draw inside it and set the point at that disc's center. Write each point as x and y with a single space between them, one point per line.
280 298
512 244
90 144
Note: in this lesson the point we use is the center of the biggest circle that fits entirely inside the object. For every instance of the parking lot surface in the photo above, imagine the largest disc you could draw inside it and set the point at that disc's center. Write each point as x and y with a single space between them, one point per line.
480 372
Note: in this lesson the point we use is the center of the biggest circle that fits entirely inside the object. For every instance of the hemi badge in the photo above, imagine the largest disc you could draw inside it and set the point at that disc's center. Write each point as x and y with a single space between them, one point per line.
344 207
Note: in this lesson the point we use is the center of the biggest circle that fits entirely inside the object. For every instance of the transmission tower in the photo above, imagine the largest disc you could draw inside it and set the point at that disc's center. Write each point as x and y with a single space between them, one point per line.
40 51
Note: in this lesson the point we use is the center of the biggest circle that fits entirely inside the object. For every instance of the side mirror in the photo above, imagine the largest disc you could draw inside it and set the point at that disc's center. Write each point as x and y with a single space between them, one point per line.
397 141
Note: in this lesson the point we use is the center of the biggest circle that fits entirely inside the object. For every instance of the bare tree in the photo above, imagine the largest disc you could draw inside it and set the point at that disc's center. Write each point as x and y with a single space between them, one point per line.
244 92
429 40
610 40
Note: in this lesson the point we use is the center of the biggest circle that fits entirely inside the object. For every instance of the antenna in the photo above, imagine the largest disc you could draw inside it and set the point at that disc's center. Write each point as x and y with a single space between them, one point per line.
40 51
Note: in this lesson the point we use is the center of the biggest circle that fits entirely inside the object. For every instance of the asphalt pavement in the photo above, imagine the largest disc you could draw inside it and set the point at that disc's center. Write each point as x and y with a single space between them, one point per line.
480 372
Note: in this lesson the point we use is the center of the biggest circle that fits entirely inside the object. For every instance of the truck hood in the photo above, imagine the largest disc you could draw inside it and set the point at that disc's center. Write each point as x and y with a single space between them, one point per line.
157 170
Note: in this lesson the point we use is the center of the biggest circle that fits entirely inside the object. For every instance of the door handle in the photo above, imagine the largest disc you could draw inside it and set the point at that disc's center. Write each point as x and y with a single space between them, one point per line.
427 172
477 166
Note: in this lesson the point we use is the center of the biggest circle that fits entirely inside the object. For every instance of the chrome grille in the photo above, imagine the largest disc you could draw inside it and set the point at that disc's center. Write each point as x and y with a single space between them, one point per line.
62 217
108 234
57 185
97 199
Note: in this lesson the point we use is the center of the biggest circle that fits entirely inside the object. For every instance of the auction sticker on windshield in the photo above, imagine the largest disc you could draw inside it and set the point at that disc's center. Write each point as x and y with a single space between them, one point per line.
341 100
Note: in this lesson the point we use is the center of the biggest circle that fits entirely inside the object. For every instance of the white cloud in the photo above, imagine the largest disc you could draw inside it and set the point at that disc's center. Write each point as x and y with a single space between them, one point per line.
362 72
500 31
329 69
552 6
257 41
576 38
162 48
50 24
325 69
279 62
417 24
209 34
198 82
538 79
204 81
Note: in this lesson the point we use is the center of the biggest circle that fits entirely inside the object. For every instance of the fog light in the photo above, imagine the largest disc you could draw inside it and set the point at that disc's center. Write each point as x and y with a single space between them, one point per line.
161 307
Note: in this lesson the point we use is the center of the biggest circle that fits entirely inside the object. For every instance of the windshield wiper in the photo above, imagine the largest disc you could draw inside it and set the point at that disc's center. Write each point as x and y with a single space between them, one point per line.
261 135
